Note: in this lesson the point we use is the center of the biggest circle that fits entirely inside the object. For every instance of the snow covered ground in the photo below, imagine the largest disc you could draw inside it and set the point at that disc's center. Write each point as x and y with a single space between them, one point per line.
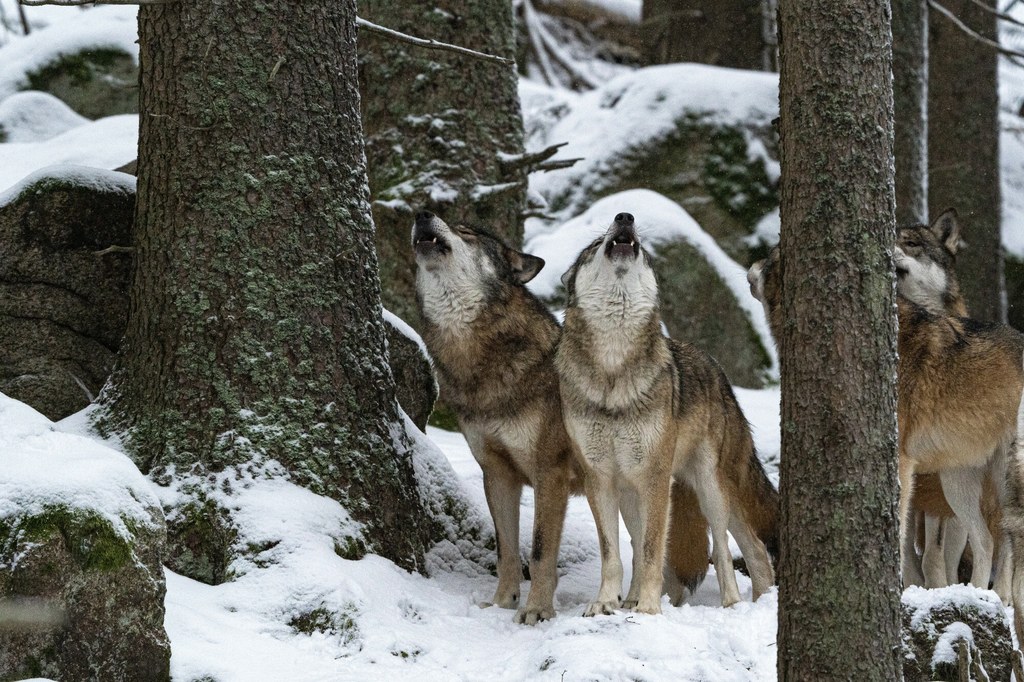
383 623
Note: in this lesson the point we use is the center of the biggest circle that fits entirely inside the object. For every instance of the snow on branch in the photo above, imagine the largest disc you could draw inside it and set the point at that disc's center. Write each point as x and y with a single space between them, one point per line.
429 42
536 161
1014 55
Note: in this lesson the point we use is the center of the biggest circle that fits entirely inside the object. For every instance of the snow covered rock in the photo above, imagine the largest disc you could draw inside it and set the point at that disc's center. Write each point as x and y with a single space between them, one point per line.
35 116
415 386
81 544
700 135
934 621
63 308
705 297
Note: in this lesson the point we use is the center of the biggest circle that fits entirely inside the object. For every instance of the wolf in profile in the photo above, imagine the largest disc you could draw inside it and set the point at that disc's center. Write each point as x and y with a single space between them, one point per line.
492 345
958 390
641 410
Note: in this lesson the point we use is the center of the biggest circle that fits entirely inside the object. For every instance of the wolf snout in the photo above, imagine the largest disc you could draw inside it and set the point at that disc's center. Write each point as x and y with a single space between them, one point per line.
424 218
624 240
624 219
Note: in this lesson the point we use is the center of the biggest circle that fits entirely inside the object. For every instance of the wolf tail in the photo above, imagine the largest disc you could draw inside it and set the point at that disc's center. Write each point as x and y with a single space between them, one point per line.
1013 521
689 547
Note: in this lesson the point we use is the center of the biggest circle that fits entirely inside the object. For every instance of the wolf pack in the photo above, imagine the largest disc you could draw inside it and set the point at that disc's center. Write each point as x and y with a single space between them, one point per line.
648 427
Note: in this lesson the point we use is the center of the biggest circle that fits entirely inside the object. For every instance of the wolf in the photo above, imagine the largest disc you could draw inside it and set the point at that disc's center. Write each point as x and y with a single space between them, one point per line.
492 346
958 389
643 410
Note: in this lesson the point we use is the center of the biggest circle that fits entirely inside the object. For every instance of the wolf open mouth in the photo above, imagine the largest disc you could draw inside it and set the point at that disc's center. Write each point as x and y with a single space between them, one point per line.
426 242
623 243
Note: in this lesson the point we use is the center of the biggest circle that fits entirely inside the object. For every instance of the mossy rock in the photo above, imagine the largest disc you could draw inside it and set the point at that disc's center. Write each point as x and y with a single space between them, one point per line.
79 600
96 82
705 168
200 541
697 307
935 620
63 308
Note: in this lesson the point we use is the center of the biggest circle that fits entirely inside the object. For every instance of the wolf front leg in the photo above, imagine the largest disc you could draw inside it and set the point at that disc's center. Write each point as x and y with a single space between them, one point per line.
503 487
551 497
653 511
603 496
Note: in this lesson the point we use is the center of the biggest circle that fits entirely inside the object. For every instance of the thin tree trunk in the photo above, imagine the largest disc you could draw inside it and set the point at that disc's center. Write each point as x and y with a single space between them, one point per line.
910 99
437 125
963 149
839 582
255 330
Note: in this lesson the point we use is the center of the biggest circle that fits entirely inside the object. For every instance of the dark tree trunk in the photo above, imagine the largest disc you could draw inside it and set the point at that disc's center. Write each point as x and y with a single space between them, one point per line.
255 330
437 124
721 32
963 149
839 582
910 101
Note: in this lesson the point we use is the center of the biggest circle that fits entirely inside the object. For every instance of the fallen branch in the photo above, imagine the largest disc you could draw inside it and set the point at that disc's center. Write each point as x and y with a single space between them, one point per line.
430 42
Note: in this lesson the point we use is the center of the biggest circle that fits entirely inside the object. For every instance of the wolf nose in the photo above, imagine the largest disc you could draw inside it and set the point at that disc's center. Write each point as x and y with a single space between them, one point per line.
424 217
624 218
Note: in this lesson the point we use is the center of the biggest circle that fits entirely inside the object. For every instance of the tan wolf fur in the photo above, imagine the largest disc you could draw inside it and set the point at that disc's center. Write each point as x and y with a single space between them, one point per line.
643 410
492 345
958 390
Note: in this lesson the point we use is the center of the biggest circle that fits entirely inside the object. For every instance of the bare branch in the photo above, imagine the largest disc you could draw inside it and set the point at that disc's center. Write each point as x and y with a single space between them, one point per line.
430 42
114 249
24 20
1014 55
527 159
1001 15
557 164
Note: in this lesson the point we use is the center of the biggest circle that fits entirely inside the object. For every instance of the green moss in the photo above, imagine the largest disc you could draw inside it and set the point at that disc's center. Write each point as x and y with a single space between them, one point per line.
201 538
90 539
340 624
738 183
96 82
351 548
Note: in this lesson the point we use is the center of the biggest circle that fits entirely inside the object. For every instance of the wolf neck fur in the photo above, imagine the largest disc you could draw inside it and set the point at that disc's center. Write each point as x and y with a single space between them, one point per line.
453 301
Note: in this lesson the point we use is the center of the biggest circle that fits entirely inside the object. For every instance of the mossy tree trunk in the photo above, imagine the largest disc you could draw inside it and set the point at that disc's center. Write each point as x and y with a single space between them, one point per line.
910 99
437 127
255 329
839 582
963 148
721 32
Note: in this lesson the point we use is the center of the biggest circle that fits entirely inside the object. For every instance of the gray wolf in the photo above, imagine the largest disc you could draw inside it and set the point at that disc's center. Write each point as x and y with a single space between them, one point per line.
643 410
958 391
492 345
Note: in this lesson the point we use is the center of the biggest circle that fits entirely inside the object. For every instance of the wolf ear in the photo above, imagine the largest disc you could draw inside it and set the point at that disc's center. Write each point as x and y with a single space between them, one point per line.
524 265
756 280
947 229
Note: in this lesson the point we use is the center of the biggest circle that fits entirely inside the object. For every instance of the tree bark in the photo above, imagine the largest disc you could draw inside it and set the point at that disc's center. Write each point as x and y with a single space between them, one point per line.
255 329
721 32
839 582
963 149
437 124
910 100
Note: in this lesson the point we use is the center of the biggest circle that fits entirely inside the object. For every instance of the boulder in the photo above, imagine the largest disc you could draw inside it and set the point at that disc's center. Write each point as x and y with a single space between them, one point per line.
81 546
63 305
415 386
95 82
938 623
35 117
705 298
699 135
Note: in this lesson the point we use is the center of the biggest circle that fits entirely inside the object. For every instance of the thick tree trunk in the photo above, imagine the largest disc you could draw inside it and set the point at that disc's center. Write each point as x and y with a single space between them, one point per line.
720 32
963 149
437 125
910 101
255 330
839 582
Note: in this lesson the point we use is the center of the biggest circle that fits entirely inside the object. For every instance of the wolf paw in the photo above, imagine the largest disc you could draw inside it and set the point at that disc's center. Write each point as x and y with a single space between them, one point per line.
653 609
507 602
629 603
532 616
601 608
